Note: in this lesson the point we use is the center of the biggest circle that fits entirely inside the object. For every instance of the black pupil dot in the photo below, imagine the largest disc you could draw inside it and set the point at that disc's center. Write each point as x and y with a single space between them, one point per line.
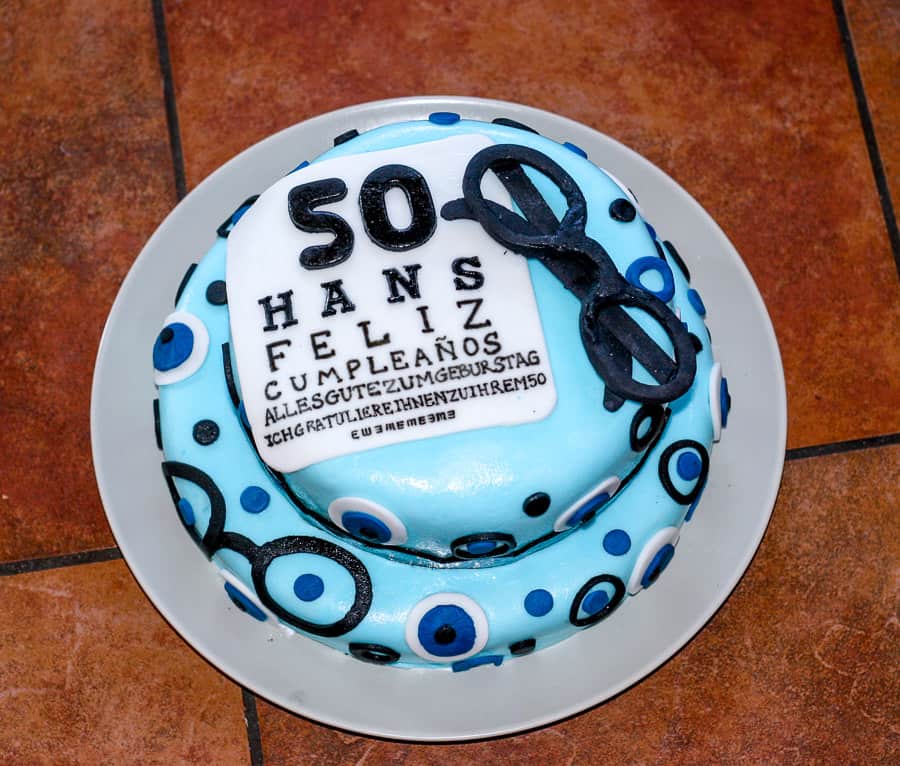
537 504
654 575
167 334
445 635
370 533
622 210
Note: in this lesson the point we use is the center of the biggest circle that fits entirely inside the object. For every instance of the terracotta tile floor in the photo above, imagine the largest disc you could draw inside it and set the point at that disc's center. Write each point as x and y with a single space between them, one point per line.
781 118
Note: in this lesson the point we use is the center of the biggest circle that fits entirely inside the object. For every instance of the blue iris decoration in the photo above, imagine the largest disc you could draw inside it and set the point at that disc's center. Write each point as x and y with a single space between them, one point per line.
725 399
688 466
616 542
446 630
696 301
596 601
538 602
481 547
651 263
243 603
366 527
659 562
588 509
173 346
308 587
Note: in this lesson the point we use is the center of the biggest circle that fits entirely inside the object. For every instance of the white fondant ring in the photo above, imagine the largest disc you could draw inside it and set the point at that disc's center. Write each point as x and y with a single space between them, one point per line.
451 624
667 536
715 400
367 521
565 520
194 359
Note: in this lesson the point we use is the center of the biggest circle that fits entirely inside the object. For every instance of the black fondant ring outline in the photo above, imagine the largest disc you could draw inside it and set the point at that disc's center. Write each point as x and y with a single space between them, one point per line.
657 415
211 540
610 336
591 619
504 543
665 477
285 546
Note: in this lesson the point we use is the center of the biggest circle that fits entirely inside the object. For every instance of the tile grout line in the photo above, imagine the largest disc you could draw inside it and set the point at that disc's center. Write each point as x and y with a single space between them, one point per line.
868 128
165 69
837 448
56 562
251 717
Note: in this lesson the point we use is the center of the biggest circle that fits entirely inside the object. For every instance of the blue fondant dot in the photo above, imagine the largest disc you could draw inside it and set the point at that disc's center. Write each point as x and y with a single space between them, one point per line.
308 587
577 149
652 263
696 301
173 346
244 604
588 509
254 499
302 165
443 118
473 662
616 542
480 547
366 526
187 511
694 505
688 466
725 400
658 564
446 630
595 601
651 230
538 602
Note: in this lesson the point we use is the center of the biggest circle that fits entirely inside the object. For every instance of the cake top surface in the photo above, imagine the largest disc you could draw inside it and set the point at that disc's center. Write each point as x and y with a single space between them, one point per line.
423 365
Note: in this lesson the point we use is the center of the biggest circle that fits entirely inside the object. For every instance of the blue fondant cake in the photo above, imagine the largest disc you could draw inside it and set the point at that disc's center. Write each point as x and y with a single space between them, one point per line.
437 398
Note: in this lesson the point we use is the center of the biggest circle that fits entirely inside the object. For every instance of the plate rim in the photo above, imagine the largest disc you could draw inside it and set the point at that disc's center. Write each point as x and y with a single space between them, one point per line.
382 109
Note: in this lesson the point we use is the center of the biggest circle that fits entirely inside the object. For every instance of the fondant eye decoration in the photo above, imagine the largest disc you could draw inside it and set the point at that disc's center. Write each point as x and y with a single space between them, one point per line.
446 627
683 468
367 521
483 545
653 559
596 600
180 348
719 400
241 597
585 508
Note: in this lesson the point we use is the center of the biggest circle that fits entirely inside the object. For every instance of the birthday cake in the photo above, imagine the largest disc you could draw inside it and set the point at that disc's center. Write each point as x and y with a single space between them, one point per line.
439 398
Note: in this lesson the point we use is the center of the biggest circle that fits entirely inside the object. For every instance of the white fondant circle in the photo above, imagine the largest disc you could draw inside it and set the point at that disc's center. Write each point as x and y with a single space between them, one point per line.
198 353
665 536
609 485
339 507
715 400
470 607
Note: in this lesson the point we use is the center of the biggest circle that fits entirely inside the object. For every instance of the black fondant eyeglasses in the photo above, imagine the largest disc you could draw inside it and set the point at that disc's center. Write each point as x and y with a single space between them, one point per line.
611 337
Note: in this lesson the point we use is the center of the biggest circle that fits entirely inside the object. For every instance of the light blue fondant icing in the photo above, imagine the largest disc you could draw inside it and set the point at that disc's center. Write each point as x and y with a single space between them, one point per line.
463 483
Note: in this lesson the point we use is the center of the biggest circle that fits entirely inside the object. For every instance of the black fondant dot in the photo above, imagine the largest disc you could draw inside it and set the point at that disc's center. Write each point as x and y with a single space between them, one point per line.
525 646
622 210
536 505
698 344
215 293
377 654
345 137
445 635
205 432
166 335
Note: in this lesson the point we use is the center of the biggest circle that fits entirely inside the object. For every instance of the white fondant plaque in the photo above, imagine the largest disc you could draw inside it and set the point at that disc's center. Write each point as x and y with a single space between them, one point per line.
360 318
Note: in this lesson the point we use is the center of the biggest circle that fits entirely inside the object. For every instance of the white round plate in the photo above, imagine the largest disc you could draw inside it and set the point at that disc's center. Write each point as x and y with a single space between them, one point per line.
327 686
